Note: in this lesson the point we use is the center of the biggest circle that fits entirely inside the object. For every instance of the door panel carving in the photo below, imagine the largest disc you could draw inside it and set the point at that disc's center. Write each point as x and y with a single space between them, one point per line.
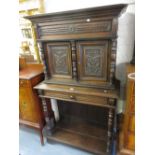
60 59
59 55
92 61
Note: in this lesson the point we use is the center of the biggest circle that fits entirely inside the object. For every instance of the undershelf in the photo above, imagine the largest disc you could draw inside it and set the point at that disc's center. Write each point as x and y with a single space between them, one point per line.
80 134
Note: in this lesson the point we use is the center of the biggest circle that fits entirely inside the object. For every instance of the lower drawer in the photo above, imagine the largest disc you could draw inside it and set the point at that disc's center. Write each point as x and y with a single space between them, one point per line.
80 98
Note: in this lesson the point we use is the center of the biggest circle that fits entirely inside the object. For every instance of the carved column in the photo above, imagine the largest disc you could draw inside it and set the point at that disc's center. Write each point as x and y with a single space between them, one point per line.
74 59
43 60
115 132
113 60
110 125
49 121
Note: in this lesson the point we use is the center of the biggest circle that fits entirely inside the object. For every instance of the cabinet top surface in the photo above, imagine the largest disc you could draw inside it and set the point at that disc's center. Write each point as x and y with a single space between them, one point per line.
113 9
130 68
30 72
78 90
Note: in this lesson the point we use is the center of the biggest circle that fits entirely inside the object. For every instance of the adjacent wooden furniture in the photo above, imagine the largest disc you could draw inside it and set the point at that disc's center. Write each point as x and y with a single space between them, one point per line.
127 143
30 109
78 50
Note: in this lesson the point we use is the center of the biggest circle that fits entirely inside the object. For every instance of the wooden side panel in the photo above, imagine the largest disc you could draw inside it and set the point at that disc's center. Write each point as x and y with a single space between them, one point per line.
93 61
132 123
29 102
129 128
59 59
128 133
130 141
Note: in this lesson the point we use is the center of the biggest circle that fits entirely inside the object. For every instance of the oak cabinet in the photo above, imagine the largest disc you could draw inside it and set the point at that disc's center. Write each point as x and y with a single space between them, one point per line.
78 50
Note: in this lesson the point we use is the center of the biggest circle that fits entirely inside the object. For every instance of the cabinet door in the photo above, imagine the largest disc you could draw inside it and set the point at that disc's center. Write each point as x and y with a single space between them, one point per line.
26 105
92 62
59 59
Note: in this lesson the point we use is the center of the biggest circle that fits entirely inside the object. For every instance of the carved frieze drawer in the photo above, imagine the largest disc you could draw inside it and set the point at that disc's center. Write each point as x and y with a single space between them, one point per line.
80 98
87 26
83 23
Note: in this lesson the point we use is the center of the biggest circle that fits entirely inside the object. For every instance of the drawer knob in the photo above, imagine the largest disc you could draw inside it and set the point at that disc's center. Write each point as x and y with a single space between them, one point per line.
72 89
105 91
72 97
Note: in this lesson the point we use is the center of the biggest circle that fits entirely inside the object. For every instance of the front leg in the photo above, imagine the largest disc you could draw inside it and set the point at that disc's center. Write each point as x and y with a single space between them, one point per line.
110 120
48 119
110 125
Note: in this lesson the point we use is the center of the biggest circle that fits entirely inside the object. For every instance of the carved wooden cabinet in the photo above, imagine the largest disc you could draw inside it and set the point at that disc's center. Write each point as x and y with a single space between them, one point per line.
30 109
78 50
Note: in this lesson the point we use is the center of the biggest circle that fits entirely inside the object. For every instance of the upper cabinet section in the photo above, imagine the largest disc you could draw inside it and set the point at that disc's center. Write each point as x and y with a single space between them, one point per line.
100 21
79 47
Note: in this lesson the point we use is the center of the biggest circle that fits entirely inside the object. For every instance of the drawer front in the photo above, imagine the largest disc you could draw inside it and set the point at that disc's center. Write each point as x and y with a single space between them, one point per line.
132 123
86 25
23 83
37 79
84 99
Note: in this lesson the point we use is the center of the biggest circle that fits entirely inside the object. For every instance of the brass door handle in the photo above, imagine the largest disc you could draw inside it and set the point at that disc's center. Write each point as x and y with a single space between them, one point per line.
72 97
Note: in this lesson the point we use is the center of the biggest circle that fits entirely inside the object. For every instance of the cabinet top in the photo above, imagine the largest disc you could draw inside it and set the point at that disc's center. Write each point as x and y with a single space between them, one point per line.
110 10
30 72
90 23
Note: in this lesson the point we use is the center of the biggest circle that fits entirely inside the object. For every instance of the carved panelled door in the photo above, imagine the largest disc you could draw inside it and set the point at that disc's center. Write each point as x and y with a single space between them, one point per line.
59 59
92 59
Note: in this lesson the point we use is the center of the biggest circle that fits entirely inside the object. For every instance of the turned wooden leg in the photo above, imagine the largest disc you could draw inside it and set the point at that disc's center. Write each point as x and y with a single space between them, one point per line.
49 121
110 120
115 132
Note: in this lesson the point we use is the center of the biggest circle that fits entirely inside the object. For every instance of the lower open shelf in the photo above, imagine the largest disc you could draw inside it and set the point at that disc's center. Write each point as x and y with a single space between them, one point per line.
81 134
